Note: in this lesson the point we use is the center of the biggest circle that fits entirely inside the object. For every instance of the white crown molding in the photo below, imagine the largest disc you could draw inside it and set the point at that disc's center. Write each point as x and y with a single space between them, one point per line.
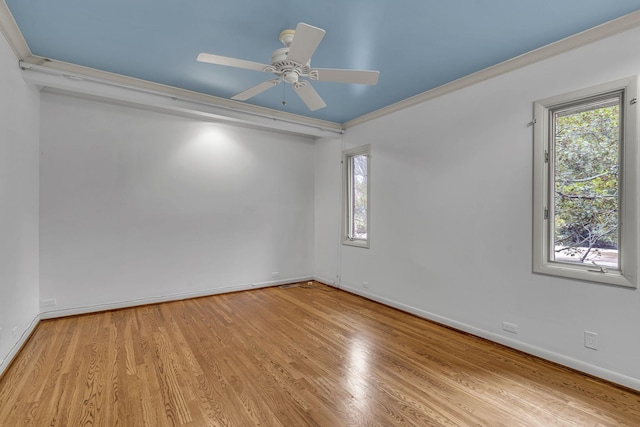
64 78
13 35
591 35
117 80
9 28
234 111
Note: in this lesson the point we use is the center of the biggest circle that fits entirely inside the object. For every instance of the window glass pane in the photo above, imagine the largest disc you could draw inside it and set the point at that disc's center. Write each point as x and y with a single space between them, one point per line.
359 197
586 187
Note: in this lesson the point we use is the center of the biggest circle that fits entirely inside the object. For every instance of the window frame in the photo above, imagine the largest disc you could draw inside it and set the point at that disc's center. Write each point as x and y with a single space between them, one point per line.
347 186
543 184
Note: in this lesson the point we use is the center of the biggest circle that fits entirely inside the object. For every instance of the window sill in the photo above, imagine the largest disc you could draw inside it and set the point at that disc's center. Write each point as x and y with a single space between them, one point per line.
357 243
586 273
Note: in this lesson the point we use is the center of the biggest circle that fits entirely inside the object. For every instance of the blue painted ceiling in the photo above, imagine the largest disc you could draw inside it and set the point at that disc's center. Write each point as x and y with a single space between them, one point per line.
416 45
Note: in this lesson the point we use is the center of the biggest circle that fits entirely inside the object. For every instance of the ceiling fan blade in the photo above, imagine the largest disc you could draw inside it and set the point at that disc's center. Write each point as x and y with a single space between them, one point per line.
364 77
231 62
251 92
305 41
309 95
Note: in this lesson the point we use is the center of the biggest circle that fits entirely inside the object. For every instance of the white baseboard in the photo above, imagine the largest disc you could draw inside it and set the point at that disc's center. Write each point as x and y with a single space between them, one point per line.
53 314
13 352
326 281
578 365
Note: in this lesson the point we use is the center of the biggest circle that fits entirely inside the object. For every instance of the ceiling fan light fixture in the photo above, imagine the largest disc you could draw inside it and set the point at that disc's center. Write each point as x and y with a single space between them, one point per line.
290 77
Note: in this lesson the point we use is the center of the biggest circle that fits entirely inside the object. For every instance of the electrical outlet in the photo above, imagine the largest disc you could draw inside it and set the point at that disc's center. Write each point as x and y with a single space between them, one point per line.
365 285
510 327
591 340
275 274
48 302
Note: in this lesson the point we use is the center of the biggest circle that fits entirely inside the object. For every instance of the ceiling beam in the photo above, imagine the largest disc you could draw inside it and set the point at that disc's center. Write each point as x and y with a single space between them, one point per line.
174 101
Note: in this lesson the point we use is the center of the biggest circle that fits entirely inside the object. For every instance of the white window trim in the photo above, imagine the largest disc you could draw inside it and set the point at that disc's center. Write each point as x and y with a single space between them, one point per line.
346 184
627 275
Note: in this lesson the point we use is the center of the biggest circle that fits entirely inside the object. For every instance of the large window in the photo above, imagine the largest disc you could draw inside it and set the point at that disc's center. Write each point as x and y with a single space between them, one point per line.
585 167
357 169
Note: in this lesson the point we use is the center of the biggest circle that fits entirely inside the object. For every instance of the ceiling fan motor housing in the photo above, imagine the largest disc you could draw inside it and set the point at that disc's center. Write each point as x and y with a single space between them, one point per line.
279 55
290 71
300 43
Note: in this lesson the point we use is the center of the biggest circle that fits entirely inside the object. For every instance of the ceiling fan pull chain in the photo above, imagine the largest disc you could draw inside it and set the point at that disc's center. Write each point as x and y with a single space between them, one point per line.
284 98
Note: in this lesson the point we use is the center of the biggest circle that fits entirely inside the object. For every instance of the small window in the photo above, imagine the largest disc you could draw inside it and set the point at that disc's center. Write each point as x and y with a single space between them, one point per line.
357 169
585 169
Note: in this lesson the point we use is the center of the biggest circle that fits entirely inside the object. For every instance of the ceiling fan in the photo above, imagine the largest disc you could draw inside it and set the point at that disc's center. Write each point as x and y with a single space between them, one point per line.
292 63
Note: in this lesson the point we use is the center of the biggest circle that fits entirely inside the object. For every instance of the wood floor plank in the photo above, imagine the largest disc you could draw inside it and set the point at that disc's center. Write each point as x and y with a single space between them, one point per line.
289 357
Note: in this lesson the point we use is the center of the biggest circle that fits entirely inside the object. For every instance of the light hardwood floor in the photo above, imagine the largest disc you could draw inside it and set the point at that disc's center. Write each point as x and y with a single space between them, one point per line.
289 357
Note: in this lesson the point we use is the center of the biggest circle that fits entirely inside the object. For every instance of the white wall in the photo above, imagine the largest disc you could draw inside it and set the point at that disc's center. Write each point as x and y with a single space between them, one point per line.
328 176
138 205
451 218
19 116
